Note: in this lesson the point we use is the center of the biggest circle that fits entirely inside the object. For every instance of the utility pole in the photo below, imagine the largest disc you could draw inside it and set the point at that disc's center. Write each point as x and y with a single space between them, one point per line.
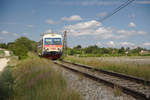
65 44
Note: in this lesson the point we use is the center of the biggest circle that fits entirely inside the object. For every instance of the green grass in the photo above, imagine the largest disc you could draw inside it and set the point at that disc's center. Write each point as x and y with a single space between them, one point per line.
35 79
2 53
13 61
117 91
134 69
6 83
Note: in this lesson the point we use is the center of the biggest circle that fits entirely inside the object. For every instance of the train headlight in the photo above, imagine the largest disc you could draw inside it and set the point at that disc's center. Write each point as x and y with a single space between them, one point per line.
59 49
46 49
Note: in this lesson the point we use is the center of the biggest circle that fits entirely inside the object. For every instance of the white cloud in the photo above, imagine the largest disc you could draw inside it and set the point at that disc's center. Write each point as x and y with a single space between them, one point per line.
110 44
25 34
126 33
83 28
4 32
95 28
50 21
90 3
30 25
72 18
132 24
99 44
9 23
132 16
48 31
15 34
96 2
143 2
126 44
146 44
102 15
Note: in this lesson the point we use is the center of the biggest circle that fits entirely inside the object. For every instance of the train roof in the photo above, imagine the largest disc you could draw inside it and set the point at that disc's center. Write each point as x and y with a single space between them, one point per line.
52 35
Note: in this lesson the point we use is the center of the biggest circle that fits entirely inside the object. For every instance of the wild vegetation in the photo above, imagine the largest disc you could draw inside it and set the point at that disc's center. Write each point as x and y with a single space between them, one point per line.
34 79
2 53
129 68
3 45
28 77
20 47
95 51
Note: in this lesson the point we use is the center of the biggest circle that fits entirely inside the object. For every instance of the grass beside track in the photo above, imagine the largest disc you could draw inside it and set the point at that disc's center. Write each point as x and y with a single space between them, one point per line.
142 71
34 79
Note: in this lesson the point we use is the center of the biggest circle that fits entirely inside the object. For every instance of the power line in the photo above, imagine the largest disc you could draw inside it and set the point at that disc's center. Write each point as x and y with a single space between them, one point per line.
117 9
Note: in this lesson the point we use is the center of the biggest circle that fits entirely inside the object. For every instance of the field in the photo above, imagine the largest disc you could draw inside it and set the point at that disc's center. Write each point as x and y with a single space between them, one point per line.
135 66
34 79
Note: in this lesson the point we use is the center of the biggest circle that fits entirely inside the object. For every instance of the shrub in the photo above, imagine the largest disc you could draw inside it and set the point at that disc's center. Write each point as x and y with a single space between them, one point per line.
6 84
22 46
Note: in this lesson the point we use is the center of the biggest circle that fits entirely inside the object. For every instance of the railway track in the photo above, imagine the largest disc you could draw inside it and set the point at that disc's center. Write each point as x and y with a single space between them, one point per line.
133 86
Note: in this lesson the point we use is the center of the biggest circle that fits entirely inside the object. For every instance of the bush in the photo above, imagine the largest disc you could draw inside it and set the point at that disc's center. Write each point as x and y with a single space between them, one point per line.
22 46
6 84
3 45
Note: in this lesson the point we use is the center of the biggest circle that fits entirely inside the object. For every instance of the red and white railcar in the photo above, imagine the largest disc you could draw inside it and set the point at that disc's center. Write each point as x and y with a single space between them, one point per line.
51 46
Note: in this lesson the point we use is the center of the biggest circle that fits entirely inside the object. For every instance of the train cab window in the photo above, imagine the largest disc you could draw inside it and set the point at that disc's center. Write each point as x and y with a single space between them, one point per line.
48 41
53 41
57 41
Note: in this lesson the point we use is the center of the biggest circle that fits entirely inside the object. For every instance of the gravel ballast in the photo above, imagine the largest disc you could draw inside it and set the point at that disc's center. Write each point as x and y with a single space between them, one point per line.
89 89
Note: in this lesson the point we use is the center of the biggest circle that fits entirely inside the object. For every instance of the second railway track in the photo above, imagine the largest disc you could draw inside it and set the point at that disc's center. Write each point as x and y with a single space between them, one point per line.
136 87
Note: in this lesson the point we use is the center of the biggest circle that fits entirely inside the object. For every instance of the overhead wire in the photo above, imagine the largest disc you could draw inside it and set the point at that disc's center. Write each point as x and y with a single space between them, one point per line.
117 9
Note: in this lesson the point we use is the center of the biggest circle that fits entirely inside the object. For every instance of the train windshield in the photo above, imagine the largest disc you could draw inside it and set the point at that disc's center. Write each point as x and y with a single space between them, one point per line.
53 41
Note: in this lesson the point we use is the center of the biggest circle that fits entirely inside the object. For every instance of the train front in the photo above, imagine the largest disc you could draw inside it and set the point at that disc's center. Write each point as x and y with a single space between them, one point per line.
52 46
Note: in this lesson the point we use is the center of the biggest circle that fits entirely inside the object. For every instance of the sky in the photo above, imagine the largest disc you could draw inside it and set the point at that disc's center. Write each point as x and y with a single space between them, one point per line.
130 27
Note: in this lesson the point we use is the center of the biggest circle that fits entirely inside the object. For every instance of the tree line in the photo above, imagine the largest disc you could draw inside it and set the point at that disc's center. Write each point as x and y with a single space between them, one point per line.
21 46
94 50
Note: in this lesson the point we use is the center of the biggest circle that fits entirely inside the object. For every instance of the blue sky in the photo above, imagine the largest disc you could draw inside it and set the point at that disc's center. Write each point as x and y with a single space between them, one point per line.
30 18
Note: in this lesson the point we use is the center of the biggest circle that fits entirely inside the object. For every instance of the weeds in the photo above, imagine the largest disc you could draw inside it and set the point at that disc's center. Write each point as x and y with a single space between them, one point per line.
2 53
129 68
6 84
34 79
117 91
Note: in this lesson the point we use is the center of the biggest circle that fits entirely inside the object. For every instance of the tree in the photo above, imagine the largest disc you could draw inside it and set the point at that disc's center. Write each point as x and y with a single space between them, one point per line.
128 48
137 50
78 47
121 50
22 46
21 51
3 45
10 46
91 49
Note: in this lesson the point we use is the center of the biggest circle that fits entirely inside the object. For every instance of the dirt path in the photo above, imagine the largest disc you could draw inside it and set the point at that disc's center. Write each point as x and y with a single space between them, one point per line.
7 53
3 61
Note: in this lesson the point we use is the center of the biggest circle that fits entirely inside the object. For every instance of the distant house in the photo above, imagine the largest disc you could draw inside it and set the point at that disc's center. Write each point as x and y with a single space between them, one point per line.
142 52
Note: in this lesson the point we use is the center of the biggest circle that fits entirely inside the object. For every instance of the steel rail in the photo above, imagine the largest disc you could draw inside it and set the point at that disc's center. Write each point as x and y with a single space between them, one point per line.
120 75
136 94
